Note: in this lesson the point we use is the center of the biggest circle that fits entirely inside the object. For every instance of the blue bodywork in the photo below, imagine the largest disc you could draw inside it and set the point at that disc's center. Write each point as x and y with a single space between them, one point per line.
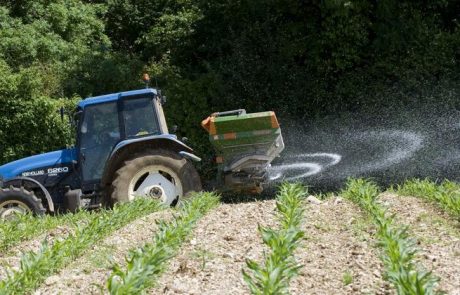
115 96
51 159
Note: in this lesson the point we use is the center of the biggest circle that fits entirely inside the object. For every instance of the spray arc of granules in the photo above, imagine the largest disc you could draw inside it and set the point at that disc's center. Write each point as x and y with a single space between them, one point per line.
304 165
402 145
396 146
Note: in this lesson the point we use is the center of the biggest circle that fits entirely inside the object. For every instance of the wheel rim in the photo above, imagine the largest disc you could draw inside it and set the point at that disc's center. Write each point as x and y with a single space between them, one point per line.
10 209
156 182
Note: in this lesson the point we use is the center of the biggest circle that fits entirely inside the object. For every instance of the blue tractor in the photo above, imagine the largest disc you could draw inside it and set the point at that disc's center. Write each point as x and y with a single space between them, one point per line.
123 150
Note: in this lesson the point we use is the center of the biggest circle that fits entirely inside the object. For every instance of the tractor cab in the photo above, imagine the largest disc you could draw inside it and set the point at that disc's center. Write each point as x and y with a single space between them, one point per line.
105 121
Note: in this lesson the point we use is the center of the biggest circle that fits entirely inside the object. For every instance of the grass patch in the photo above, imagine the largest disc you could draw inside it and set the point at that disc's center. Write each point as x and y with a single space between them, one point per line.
398 248
36 267
146 263
347 278
279 266
446 194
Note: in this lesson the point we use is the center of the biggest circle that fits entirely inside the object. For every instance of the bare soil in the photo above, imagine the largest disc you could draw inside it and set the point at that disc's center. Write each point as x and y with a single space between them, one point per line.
211 262
338 254
437 234
338 243
89 273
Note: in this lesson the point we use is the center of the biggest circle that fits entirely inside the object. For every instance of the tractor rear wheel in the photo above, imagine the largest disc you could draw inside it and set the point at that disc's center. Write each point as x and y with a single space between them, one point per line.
156 174
15 201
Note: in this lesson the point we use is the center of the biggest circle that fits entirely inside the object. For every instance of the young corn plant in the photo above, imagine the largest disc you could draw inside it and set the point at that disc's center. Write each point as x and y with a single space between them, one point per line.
398 248
279 266
145 264
36 267
445 194
25 227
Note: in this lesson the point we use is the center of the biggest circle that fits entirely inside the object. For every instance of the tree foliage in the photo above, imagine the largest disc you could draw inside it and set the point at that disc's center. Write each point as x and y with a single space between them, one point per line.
299 58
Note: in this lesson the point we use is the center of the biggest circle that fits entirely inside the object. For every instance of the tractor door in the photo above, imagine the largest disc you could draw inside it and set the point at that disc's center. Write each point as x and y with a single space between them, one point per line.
99 132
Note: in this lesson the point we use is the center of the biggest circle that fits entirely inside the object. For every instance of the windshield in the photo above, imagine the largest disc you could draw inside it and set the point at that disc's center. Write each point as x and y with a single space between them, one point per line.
139 117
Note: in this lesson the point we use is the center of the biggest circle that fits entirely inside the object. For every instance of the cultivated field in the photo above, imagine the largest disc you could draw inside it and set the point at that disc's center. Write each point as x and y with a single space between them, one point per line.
359 241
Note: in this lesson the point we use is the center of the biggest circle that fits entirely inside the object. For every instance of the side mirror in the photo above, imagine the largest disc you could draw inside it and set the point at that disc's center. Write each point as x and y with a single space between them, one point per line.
184 139
61 111
77 115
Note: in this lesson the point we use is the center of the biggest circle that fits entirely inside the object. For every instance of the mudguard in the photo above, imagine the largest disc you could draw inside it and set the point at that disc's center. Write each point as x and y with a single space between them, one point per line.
49 200
127 148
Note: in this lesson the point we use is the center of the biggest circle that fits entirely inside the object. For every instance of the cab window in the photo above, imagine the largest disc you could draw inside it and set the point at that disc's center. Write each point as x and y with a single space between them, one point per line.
99 132
139 117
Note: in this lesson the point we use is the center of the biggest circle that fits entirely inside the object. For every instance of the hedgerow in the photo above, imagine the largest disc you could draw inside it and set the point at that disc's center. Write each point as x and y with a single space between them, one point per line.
210 56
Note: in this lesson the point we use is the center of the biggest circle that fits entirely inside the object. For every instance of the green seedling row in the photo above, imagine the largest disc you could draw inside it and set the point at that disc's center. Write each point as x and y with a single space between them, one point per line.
445 194
145 264
36 267
279 266
398 248
25 227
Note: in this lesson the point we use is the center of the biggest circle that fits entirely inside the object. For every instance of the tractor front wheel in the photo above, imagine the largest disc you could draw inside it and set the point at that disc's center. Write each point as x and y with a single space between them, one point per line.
15 201
155 174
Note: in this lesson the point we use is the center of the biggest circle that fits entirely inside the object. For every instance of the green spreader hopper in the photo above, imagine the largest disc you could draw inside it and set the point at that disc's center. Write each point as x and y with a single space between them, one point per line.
245 145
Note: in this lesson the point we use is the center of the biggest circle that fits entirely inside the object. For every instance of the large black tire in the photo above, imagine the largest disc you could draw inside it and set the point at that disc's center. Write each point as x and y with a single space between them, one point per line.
19 200
185 172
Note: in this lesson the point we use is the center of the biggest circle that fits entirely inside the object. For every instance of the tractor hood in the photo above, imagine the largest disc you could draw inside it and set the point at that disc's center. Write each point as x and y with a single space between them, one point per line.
38 164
